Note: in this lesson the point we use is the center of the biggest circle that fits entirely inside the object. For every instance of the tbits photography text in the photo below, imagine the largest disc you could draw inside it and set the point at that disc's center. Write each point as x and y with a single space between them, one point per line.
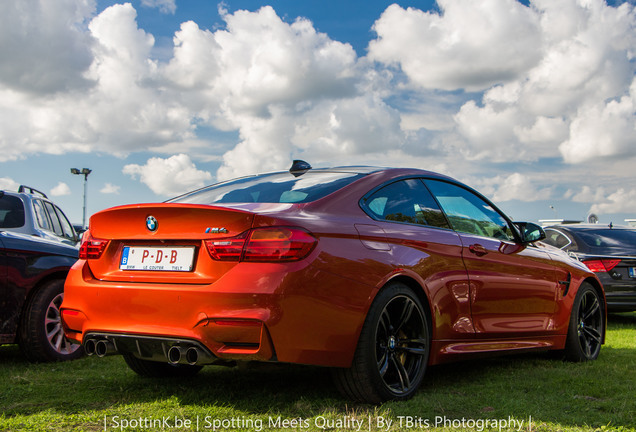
343 423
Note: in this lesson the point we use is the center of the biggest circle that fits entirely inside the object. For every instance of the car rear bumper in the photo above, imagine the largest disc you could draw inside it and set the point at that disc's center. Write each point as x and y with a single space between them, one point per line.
282 316
621 302
620 295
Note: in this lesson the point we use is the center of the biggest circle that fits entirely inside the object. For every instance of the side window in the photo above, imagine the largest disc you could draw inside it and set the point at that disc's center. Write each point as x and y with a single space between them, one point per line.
468 213
405 201
41 216
55 221
66 225
556 238
11 212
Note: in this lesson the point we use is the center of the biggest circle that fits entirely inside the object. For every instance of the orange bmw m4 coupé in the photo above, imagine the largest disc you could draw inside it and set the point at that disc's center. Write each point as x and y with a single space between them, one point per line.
375 272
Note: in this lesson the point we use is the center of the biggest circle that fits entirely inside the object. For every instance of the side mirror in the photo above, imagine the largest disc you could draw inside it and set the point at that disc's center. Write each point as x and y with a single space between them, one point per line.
530 232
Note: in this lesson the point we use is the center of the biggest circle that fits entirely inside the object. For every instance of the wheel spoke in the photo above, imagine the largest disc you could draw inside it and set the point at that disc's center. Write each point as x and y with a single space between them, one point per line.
58 341
591 310
592 334
405 316
411 346
385 321
51 334
405 382
383 364
586 348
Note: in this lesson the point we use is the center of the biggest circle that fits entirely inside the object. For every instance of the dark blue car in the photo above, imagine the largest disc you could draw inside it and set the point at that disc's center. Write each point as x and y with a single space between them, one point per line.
32 274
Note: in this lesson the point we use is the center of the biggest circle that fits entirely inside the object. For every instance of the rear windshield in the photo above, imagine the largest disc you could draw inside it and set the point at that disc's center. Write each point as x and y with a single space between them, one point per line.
272 188
609 238
11 212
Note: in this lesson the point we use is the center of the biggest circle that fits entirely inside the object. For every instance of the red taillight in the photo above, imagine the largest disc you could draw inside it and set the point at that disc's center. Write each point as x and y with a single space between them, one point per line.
278 244
264 245
601 265
229 249
92 248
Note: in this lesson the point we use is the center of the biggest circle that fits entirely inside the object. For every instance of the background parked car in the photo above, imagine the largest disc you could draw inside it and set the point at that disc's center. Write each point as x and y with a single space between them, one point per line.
34 262
29 211
609 251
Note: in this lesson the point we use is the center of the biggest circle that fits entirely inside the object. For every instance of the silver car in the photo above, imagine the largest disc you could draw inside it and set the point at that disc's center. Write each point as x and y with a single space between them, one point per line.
30 212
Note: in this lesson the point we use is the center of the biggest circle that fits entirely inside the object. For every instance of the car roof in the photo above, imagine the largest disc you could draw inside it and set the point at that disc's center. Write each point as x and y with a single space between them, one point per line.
25 194
358 169
364 169
386 173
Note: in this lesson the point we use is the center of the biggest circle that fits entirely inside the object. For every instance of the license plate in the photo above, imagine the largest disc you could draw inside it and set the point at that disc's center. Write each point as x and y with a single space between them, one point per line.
632 272
157 258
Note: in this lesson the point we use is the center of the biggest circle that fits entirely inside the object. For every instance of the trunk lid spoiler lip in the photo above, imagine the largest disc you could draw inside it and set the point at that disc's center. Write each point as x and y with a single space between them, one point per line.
173 222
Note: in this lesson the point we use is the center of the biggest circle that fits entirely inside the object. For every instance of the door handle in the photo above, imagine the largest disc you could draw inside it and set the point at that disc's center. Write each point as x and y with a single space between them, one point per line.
477 249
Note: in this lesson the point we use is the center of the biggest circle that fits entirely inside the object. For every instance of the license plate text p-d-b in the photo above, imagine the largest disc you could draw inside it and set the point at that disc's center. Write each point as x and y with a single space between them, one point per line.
155 258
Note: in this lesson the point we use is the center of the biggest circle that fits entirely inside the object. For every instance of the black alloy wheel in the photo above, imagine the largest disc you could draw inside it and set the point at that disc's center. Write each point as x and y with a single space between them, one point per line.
400 344
587 325
393 349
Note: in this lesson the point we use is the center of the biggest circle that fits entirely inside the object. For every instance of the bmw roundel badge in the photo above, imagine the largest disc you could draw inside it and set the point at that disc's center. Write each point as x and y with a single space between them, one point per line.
151 223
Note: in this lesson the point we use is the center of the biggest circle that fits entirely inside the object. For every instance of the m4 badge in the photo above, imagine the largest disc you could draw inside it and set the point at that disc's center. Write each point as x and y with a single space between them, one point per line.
216 230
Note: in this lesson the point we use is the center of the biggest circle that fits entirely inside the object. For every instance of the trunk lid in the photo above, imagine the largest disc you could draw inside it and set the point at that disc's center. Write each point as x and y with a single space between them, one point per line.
159 231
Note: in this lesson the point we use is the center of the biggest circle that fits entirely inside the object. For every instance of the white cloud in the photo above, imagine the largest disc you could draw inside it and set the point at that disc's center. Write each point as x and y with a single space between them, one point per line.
47 49
621 201
515 186
487 132
110 188
256 62
172 176
587 195
117 106
603 129
336 132
557 75
603 202
9 184
61 189
470 45
460 91
164 6
286 88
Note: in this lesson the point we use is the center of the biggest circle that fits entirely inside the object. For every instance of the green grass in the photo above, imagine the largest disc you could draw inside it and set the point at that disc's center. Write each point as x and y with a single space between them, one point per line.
91 393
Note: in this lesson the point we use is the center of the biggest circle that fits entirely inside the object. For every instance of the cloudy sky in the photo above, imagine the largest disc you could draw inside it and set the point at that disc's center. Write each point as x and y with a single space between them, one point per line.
533 103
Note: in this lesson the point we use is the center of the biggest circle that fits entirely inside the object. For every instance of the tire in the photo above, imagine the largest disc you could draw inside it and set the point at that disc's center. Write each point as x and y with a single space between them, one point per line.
155 369
392 352
41 337
587 325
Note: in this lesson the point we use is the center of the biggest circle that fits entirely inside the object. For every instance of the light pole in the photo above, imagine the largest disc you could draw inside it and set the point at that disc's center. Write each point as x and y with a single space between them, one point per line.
85 172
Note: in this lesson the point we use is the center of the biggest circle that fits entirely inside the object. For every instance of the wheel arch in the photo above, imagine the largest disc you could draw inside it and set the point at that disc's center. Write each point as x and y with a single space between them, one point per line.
33 291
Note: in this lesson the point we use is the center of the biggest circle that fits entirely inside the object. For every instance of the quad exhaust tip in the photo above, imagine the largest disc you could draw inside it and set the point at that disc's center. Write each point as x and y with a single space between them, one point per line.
178 354
99 347
192 355
104 347
89 347
174 354
172 351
